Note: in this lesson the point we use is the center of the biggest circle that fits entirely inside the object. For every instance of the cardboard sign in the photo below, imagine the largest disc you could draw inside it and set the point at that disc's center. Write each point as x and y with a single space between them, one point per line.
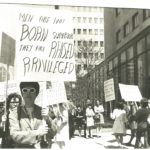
109 90
44 45
130 92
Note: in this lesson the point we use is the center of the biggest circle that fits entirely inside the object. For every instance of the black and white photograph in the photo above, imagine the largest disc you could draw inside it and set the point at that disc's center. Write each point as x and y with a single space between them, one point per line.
74 75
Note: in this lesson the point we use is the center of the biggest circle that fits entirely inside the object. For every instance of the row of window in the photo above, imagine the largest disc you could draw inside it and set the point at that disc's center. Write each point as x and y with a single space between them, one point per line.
90 43
127 27
88 20
90 55
89 31
141 45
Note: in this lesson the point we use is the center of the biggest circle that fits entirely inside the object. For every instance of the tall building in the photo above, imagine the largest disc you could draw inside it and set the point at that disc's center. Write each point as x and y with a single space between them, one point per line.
127 47
88 24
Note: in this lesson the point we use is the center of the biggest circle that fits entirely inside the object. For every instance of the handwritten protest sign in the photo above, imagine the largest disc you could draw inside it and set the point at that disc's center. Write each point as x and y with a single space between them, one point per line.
109 90
44 45
130 92
51 93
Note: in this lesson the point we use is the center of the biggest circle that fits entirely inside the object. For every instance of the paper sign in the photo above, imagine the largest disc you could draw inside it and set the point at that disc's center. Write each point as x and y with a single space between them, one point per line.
130 92
109 90
44 45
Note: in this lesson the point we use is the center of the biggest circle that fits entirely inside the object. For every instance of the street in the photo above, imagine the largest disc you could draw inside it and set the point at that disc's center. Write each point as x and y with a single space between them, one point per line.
106 141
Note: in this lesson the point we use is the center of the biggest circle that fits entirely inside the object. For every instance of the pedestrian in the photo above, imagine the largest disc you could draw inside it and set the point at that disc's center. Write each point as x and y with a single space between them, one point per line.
79 119
99 118
142 126
89 120
27 126
12 103
119 126
132 123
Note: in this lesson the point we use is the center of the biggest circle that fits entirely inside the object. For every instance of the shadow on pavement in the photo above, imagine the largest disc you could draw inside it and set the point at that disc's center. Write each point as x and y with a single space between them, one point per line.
114 147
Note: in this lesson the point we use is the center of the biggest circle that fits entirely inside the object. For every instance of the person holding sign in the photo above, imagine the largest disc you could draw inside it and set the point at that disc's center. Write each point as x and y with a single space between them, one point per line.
26 126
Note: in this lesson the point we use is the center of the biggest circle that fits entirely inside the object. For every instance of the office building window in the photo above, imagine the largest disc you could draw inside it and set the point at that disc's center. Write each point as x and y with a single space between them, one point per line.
79 55
146 14
85 66
74 31
96 31
90 31
85 55
96 43
135 21
84 31
79 43
96 56
90 20
79 31
141 46
101 44
123 57
79 19
101 31
74 42
95 20
148 41
130 53
118 36
126 29
101 20
115 62
84 19
102 55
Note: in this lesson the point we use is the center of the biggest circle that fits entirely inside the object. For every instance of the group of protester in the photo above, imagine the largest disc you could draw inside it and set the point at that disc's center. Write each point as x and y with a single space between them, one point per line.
136 118
26 125
87 118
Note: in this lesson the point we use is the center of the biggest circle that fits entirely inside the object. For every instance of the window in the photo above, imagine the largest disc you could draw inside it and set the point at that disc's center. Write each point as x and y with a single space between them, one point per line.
115 61
123 57
130 53
101 31
85 55
148 41
84 19
74 31
118 10
79 55
96 31
141 46
79 31
126 29
79 43
90 31
95 20
79 19
118 36
101 44
79 67
90 20
96 43
74 42
110 66
102 55
85 66
101 20
84 31
146 14
135 20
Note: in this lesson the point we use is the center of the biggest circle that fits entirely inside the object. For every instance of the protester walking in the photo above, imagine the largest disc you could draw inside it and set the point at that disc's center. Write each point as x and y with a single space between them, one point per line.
119 129
27 126
89 120
98 118
142 125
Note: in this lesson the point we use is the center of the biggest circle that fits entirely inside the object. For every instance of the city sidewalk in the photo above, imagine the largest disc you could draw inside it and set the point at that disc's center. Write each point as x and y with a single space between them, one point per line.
106 141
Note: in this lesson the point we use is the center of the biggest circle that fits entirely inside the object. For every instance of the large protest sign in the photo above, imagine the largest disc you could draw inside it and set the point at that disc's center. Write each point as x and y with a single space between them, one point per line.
130 92
109 90
44 45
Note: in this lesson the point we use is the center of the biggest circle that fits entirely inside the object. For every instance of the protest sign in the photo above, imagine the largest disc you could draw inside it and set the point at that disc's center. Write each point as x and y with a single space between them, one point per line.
44 45
51 93
109 90
130 92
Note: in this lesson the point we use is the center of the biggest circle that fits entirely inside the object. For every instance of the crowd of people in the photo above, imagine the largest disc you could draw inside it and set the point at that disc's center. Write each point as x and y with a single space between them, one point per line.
23 124
87 119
